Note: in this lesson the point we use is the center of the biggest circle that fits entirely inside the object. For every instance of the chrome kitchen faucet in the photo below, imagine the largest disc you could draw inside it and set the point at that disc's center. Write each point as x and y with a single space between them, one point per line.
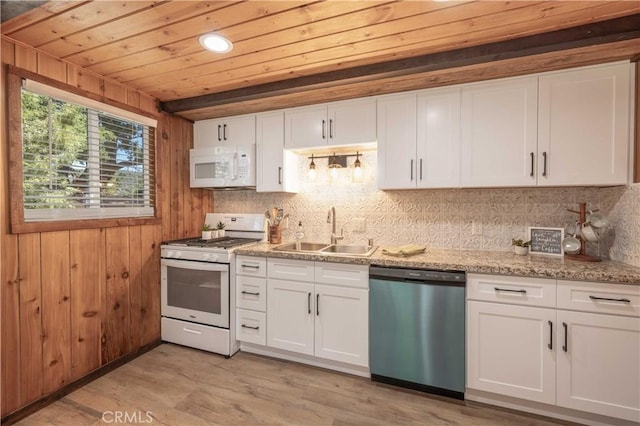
331 218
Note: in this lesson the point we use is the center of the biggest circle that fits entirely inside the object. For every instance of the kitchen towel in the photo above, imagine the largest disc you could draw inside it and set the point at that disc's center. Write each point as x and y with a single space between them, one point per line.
404 251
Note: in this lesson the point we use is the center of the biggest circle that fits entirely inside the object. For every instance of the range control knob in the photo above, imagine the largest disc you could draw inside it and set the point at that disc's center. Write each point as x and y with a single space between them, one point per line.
205 256
170 253
178 255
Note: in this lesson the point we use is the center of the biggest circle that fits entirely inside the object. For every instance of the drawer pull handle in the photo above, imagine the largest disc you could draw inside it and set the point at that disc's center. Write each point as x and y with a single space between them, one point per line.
309 303
610 300
188 330
317 304
564 347
250 266
248 326
251 293
508 290
550 345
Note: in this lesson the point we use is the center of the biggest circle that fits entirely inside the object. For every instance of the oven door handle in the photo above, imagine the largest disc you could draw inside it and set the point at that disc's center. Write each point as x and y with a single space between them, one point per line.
188 330
194 265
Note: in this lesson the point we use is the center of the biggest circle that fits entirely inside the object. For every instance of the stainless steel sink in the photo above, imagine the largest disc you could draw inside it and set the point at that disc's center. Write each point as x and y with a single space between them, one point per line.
304 246
324 248
352 250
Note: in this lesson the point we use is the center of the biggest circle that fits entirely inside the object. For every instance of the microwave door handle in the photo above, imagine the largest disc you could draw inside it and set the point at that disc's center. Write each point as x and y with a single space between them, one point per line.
235 166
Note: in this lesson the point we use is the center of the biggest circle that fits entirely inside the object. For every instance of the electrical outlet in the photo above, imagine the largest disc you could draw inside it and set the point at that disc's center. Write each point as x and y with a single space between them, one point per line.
360 224
476 228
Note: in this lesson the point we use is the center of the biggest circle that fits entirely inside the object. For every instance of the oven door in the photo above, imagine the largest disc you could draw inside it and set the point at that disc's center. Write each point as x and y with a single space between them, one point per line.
195 291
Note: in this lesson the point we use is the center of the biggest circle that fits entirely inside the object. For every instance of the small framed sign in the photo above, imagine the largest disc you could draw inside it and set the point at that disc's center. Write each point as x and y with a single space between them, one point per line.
546 240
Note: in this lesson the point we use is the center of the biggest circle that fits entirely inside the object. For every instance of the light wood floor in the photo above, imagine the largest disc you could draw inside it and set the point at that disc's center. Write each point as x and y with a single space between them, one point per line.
182 386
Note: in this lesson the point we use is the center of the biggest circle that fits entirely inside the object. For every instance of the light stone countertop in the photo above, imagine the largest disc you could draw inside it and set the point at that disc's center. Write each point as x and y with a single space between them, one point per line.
474 261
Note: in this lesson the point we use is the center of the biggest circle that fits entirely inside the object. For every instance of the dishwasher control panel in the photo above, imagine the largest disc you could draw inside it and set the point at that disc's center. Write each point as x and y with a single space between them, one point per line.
417 274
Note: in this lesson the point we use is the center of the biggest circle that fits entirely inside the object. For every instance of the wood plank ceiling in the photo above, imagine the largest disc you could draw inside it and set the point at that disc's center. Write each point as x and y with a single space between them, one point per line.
153 45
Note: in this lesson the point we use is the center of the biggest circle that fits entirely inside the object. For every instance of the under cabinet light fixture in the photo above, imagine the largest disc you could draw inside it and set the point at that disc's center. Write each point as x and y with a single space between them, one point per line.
215 43
312 169
336 162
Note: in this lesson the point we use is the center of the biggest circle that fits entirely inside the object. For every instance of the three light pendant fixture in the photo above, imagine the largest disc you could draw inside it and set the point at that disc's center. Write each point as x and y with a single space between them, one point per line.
337 162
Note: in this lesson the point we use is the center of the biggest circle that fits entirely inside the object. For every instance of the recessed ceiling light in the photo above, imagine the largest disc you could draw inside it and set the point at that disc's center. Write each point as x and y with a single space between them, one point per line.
215 43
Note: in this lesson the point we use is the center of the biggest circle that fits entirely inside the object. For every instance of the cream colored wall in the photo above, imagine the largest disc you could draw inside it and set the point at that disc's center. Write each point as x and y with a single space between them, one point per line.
444 218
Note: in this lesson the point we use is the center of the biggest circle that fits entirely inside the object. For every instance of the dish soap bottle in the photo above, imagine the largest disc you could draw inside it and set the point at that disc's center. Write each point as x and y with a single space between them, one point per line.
299 234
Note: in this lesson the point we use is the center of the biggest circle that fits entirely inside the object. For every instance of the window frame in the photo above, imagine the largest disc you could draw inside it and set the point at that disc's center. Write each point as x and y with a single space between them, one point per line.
15 76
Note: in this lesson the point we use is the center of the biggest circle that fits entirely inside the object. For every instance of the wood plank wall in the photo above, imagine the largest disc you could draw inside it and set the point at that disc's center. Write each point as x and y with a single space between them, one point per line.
73 301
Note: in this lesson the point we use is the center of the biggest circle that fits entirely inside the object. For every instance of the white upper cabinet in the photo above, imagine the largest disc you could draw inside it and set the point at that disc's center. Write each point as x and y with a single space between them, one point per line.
499 133
397 141
337 123
584 125
419 140
438 144
276 169
240 130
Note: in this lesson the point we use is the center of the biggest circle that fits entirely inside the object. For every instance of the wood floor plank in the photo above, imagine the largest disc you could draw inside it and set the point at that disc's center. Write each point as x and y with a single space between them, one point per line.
182 386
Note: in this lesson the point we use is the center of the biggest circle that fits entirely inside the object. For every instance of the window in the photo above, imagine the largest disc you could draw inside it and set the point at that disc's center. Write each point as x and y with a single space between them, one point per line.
83 159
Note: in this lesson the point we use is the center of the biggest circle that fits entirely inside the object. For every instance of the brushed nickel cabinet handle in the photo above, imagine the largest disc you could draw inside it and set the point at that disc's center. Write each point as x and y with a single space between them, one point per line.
323 129
279 175
224 132
317 304
566 338
544 164
248 326
421 169
250 292
550 345
309 303
411 168
331 128
219 138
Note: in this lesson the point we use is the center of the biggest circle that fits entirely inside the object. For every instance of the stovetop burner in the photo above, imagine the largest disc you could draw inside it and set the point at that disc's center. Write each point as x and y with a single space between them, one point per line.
221 243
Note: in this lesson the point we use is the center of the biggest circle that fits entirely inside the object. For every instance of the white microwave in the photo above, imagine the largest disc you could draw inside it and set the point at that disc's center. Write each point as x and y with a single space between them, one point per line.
229 166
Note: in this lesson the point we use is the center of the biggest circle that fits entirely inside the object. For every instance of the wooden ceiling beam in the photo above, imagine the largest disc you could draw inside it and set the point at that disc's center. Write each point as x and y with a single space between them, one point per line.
609 31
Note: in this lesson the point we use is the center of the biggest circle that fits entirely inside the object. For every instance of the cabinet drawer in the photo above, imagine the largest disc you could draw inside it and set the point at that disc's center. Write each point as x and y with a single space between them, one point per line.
604 298
514 290
342 274
295 270
252 266
252 326
251 293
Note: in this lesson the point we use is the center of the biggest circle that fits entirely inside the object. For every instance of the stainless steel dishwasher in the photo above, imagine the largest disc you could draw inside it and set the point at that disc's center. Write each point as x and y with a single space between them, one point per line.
417 329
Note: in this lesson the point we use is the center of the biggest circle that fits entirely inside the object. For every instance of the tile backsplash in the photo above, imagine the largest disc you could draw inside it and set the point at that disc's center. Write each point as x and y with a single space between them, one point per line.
471 219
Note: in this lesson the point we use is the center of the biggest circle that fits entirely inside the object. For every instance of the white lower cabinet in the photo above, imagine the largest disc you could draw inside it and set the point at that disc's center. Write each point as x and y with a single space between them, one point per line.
599 364
510 350
341 324
579 351
290 316
315 315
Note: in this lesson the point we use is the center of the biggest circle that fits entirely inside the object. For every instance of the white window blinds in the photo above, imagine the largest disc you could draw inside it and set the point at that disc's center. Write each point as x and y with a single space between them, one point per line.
83 159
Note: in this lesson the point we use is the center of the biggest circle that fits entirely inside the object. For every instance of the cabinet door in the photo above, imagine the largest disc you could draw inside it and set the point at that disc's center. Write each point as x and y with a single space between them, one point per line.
290 315
397 142
239 130
276 168
341 324
508 350
584 126
306 127
499 133
352 122
207 134
599 364
438 146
